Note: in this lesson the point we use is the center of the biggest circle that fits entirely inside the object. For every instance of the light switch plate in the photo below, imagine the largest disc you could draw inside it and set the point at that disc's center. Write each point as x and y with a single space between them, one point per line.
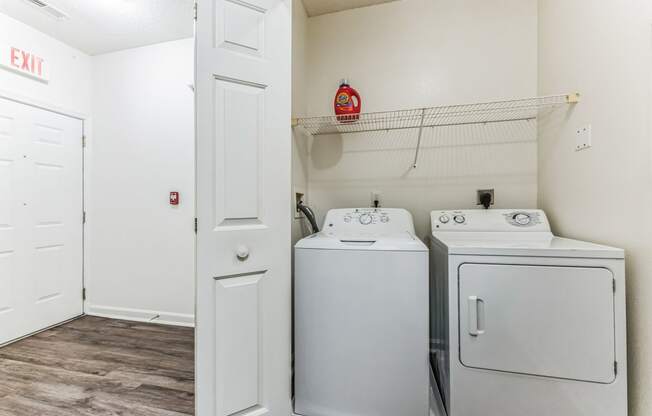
583 138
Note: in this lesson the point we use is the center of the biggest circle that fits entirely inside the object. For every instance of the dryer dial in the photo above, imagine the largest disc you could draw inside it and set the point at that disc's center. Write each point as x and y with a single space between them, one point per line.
522 218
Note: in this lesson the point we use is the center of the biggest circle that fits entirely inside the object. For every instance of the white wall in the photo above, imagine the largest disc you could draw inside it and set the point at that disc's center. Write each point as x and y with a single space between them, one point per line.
414 53
604 51
138 249
300 163
140 259
69 88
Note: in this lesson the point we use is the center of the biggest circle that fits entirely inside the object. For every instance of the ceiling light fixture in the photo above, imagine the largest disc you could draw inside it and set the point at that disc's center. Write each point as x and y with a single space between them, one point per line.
48 9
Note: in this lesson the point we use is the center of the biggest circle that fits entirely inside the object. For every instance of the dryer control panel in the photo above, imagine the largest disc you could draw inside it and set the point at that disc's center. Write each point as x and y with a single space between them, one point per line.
490 220
368 220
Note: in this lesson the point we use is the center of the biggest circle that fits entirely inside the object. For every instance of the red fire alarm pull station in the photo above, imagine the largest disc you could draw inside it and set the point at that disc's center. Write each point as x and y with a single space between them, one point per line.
174 198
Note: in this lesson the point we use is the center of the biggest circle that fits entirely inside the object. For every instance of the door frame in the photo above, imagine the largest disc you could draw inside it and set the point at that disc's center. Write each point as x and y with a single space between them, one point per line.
86 124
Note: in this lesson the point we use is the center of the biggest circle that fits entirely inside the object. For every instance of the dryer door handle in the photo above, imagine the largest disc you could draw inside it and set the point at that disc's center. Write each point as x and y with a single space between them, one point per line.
476 308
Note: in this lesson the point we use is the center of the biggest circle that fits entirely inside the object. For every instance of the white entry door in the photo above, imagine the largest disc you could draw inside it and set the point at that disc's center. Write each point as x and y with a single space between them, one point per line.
41 218
243 207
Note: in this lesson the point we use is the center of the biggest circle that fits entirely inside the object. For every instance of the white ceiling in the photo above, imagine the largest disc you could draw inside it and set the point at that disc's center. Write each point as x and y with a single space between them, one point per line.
318 7
100 26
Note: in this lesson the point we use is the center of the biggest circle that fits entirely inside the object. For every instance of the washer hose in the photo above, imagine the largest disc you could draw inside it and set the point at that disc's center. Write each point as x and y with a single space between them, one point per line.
310 215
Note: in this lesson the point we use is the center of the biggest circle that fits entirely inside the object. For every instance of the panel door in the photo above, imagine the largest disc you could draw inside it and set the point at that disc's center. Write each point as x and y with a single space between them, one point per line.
41 214
539 320
13 222
243 207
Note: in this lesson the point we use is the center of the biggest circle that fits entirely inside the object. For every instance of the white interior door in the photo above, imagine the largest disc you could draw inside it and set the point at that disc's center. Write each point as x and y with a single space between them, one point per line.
243 207
41 214
539 320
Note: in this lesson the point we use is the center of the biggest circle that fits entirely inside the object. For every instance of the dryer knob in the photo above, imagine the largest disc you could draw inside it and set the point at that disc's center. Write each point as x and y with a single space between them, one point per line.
444 219
522 219
459 219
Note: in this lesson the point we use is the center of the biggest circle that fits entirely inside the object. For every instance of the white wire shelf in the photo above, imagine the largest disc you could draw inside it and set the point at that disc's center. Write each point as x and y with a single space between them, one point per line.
419 118
430 117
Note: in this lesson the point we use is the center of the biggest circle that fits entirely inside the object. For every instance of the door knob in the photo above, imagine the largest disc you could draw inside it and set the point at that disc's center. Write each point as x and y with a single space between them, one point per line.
242 252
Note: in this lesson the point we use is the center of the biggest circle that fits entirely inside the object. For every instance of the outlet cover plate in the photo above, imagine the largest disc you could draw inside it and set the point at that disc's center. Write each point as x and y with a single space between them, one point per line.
485 191
583 138
376 196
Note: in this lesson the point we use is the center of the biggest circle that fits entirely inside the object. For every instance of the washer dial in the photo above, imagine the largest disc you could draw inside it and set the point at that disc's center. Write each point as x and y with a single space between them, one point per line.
444 219
366 219
459 219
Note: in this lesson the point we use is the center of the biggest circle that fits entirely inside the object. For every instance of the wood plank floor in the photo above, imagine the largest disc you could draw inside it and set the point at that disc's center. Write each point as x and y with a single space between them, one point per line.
100 367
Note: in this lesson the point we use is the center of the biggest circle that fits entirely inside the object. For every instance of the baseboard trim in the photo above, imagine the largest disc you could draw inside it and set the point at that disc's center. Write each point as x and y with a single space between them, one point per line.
141 315
41 330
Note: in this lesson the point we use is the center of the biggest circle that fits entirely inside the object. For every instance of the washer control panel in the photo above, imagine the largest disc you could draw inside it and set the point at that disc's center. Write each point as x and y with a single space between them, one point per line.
367 217
492 220
368 220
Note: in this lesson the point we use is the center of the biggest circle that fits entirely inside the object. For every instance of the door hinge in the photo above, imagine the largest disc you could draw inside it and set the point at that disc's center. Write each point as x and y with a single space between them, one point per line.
195 11
84 217
84 294
195 225
84 141
616 367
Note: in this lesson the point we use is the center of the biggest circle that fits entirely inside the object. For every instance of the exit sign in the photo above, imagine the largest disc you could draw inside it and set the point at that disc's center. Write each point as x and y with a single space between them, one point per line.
24 62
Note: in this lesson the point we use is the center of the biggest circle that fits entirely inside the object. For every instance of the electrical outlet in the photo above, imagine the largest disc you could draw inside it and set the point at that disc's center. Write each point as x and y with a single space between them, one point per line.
583 138
481 192
376 196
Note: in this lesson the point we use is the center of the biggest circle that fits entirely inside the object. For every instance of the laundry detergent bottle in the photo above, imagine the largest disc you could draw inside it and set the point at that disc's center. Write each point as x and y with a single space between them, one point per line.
347 103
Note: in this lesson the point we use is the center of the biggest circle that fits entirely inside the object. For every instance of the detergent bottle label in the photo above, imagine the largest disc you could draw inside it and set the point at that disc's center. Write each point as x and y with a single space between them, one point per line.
343 99
347 103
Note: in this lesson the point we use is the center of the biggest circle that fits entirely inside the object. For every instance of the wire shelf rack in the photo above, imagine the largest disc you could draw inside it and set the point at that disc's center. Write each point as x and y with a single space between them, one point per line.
430 117
452 115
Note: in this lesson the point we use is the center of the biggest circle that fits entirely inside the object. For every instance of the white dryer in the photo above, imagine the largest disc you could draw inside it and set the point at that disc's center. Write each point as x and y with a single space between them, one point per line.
361 317
523 322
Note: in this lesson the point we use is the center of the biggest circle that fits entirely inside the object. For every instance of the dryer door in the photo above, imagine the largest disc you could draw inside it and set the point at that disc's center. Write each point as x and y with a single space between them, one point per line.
538 320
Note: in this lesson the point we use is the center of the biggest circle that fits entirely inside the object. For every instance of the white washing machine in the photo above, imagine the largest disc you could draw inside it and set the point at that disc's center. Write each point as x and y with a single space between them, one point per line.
361 317
523 322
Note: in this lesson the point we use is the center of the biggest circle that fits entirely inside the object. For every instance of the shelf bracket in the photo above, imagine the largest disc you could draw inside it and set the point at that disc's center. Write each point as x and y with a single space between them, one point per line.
573 98
416 153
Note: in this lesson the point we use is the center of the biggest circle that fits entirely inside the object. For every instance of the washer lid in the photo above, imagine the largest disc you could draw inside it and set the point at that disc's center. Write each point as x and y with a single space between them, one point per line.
403 241
517 244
